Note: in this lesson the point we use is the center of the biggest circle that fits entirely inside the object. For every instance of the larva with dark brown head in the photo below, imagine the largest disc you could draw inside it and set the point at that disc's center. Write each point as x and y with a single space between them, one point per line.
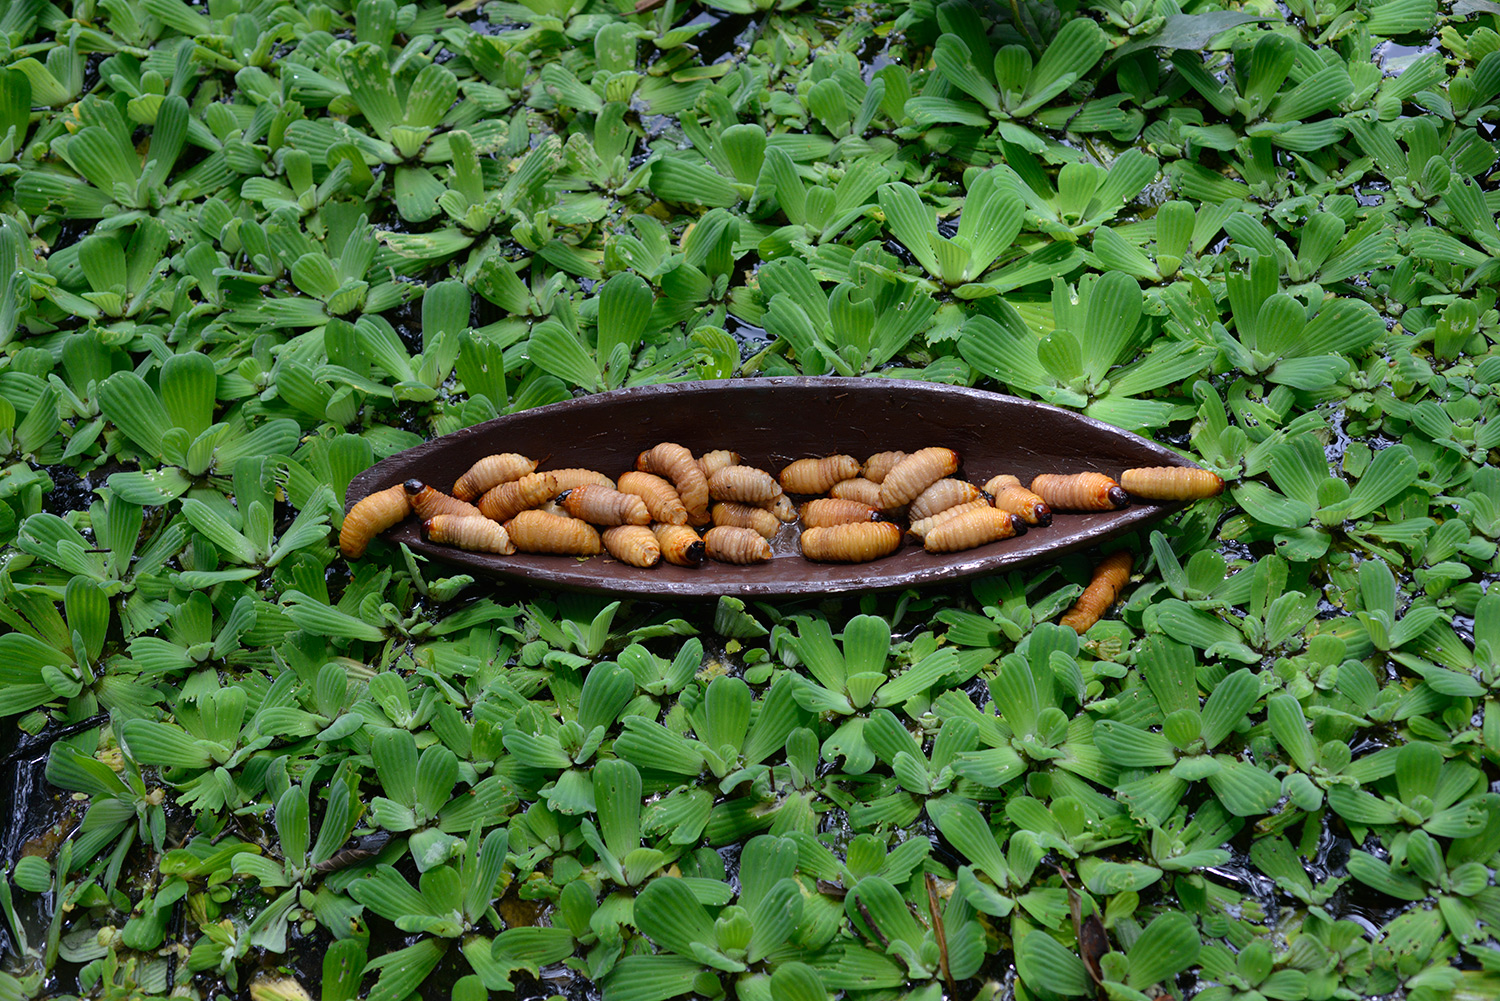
712 462
741 546
745 484
635 545
1011 496
659 496
922 526
852 542
737 515
539 532
1110 578
371 515
816 476
490 472
475 533
602 506
1171 483
827 511
880 464
978 527
677 464
504 502
567 479
916 473
943 494
857 489
428 501
680 545
1079 492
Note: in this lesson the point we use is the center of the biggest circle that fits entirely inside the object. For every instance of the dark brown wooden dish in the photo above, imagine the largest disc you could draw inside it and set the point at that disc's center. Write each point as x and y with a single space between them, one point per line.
770 422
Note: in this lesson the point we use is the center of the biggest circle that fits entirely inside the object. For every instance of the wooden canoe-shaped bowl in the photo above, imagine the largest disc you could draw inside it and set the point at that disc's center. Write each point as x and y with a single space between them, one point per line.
771 422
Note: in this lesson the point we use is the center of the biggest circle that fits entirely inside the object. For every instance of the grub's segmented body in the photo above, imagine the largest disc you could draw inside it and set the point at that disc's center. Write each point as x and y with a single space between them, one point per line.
490 472
1110 578
504 502
783 508
879 465
475 533
974 528
1079 492
632 544
370 516
567 479
922 526
915 473
539 532
741 546
826 511
680 545
745 484
1011 496
712 462
942 495
659 496
737 515
1171 483
427 502
677 464
857 489
853 542
602 506
817 476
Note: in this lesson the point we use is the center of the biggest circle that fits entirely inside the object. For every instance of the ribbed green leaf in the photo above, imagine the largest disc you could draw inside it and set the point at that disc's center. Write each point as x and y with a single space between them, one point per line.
1169 945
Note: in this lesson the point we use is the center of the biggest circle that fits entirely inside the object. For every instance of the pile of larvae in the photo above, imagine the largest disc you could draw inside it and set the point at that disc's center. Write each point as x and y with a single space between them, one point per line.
654 513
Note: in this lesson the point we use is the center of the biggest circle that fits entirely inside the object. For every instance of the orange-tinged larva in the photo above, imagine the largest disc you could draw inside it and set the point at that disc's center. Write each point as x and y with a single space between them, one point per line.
922 526
539 532
677 464
1011 496
735 545
827 511
745 484
428 501
567 479
680 545
632 544
371 515
972 528
859 489
472 532
879 465
659 496
603 506
942 495
916 473
490 472
1171 483
737 515
509 499
783 508
816 476
853 542
712 462
1110 578
1079 492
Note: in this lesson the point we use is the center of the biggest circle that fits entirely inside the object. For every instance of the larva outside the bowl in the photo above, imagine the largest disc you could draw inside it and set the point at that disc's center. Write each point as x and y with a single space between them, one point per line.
428 501
879 465
919 528
659 495
745 484
371 515
1011 496
851 542
635 545
539 532
826 511
504 502
916 473
783 508
1079 492
737 515
857 489
475 533
602 506
680 545
1110 578
741 546
490 472
712 462
677 464
817 476
1171 483
942 495
567 479
971 529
